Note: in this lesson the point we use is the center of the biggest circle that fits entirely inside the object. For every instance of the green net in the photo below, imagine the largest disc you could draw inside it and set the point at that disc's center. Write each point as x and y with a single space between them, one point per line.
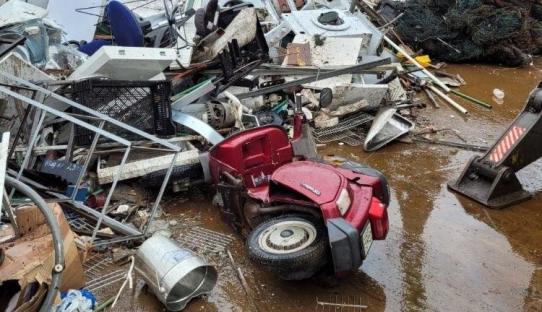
499 31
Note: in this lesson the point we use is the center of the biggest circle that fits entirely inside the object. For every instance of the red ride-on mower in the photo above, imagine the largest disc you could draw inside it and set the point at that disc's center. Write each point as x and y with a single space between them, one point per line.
297 214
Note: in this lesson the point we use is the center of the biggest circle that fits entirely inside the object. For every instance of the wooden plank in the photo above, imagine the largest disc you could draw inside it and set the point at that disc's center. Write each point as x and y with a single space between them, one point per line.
142 167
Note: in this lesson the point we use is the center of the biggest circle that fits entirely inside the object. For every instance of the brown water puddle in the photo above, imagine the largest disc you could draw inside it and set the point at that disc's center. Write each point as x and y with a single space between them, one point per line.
443 252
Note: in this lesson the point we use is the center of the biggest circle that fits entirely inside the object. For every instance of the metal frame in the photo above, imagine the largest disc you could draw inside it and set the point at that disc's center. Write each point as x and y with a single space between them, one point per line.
99 216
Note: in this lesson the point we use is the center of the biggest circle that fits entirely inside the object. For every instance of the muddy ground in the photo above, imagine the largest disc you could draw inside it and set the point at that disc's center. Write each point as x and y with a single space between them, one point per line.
443 252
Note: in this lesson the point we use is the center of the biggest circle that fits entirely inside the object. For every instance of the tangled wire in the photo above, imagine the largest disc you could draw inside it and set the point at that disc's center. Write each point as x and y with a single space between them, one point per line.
498 31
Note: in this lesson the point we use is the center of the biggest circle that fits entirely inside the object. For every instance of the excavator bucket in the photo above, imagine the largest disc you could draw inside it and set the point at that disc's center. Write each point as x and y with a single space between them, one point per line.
491 179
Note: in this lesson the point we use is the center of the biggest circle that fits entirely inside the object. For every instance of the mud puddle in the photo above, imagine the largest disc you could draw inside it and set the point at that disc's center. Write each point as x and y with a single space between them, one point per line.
443 252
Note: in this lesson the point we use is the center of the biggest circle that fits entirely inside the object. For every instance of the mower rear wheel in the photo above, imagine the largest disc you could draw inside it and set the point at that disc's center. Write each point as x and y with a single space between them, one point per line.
293 246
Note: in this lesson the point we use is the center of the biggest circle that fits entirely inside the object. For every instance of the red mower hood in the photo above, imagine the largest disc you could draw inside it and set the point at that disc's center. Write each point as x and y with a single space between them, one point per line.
318 182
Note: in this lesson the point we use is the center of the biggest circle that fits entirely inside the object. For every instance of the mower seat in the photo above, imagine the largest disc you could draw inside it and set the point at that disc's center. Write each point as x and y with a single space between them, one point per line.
253 155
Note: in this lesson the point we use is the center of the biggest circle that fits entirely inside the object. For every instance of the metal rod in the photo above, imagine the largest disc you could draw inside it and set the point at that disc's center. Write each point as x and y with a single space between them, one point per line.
449 100
86 211
314 78
160 193
4 151
29 153
118 239
88 110
64 115
71 143
470 98
9 212
20 131
353 4
111 191
87 161
431 98
410 58
453 144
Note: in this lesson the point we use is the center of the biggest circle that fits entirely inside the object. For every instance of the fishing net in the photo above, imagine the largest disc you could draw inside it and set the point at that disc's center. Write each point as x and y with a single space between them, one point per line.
499 31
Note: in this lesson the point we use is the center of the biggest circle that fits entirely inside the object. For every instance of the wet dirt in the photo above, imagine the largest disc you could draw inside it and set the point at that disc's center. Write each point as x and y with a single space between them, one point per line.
443 252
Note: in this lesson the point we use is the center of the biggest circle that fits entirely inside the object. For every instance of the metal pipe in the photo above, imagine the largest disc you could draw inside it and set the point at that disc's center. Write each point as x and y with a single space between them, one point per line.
161 193
111 191
85 109
66 116
29 149
314 78
431 98
19 131
4 151
84 210
87 161
453 144
410 58
470 98
56 275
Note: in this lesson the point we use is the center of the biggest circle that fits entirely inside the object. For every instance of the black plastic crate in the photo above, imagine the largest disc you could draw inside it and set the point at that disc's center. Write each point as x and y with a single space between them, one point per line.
145 105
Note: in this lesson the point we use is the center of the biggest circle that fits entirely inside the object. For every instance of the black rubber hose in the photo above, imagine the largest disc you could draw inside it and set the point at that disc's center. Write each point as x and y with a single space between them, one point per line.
56 275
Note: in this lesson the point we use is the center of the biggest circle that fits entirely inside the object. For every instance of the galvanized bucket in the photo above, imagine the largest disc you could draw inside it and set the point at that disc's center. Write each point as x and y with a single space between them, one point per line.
175 275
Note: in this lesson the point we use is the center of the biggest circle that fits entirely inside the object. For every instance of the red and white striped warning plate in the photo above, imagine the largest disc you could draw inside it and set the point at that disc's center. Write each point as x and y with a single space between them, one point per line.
511 138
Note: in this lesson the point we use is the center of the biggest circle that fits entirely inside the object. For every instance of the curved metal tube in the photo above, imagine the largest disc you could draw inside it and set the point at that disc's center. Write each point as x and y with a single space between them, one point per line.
56 275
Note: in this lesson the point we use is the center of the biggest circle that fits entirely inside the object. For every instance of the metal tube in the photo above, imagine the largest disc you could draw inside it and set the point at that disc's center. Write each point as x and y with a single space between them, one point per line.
87 161
19 131
84 210
29 149
58 245
470 98
161 193
298 104
4 151
64 115
291 4
431 98
353 4
410 58
310 79
111 191
87 110
118 240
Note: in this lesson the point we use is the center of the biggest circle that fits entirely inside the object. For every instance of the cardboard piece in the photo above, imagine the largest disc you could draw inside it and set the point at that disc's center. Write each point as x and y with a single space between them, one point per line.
31 257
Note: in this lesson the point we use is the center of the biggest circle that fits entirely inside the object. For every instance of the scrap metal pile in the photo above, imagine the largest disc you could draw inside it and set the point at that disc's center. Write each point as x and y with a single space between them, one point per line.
102 121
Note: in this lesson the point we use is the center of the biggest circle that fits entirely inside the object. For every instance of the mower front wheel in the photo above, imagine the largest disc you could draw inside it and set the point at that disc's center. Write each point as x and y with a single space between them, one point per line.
293 246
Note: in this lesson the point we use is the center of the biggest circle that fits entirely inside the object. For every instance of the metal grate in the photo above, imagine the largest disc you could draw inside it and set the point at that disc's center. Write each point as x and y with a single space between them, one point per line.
81 225
396 92
106 280
339 303
354 140
95 266
348 137
342 131
348 123
98 274
204 239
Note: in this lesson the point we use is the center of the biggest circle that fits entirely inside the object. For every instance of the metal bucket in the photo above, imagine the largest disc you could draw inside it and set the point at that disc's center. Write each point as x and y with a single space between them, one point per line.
175 275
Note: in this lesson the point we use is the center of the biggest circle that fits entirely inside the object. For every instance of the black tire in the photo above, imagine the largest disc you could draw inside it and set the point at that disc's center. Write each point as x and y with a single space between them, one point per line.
155 179
297 265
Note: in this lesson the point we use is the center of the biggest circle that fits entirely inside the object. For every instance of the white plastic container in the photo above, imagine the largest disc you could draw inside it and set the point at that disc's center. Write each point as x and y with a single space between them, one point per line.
499 94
